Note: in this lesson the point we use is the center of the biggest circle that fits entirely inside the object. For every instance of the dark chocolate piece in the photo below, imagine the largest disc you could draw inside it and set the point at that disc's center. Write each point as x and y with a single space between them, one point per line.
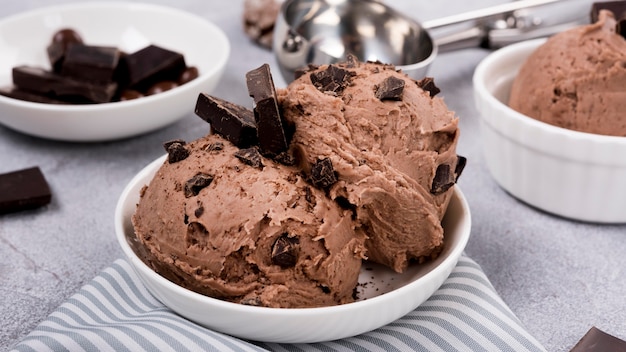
443 180
428 85
285 251
130 94
161 87
194 185
17 93
617 7
250 156
176 150
91 63
153 64
390 89
188 75
23 189
270 129
61 40
461 161
333 79
323 174
38 80
596 340
233 122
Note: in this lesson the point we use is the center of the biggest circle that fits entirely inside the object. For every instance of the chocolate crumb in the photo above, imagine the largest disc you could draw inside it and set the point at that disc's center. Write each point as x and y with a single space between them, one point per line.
176 150
323 174
285 158
325 289
250 156
428 85
198 212
390 89
285 251
333 79
194 185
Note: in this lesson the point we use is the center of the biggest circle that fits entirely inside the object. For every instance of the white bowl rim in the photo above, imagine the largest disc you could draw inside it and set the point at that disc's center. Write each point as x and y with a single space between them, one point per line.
112 106
454 254
479 85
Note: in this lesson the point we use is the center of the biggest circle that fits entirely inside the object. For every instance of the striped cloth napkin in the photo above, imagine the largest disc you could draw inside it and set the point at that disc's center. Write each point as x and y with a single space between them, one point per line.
115 312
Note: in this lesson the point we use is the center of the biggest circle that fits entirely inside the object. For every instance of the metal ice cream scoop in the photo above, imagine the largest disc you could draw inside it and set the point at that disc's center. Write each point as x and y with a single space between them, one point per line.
326 31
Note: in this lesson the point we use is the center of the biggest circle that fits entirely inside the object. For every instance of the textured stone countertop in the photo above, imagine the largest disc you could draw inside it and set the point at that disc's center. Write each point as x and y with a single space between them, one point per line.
560 277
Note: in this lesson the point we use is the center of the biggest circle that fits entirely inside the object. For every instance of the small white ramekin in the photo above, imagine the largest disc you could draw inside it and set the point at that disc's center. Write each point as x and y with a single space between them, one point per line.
576 175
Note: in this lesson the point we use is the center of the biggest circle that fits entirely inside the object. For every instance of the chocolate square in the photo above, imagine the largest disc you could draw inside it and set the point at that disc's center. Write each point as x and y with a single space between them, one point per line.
23 189
231 121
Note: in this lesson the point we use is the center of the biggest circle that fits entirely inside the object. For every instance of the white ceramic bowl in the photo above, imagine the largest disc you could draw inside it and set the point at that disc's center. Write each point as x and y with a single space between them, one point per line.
573 174
128 26
387 297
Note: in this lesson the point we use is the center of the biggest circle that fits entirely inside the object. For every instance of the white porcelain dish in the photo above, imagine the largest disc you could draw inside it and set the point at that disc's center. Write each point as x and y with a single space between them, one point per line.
572 174
128 26
384 296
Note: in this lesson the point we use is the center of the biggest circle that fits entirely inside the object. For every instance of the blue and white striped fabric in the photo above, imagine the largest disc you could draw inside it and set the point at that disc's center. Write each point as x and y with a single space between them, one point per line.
115 312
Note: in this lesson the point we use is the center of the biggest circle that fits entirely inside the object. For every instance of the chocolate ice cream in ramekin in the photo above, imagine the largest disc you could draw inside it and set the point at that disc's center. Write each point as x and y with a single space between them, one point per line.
554 128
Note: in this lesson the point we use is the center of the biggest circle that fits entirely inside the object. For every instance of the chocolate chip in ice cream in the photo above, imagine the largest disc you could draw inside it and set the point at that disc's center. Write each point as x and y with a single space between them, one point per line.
270 130
197 183
443 180
231 121
333 79
323 174
428 85
285 251
390 89
250 156
461 161
176 150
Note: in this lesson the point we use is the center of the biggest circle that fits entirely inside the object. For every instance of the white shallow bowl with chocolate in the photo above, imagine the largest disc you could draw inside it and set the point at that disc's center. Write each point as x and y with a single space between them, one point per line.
383 295
129 27
572 174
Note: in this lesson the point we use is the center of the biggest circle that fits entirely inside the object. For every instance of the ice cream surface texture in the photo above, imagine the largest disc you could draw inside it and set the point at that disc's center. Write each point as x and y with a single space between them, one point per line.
386 138
577 80
258 235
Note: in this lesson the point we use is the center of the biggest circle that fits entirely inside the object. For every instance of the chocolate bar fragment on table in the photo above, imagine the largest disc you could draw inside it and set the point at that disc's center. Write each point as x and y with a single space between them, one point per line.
596 340
151 65
59 87
92 63
22 190
270 129
231 121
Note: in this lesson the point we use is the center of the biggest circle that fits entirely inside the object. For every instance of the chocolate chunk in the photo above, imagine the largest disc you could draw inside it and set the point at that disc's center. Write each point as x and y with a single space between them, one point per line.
596 340
194 185
323 174
176 150
461 161
23 189
390 89
188 75
333 79
91 63
161 87
285 251
617 7
61 40
38 80
130 94
428 85
270 129
17 93
443 180
153 64
250 156
620 28
231 121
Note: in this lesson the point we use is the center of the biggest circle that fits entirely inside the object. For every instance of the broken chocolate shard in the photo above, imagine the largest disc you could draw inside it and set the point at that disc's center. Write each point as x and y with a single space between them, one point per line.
59 87
153 64
617 7
596 340
333 79
176 150
443 180
461 161
197 183
231 121
390 89
285 251
428 84
270 129
17 93
22 190
323 174
250 156
90 63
